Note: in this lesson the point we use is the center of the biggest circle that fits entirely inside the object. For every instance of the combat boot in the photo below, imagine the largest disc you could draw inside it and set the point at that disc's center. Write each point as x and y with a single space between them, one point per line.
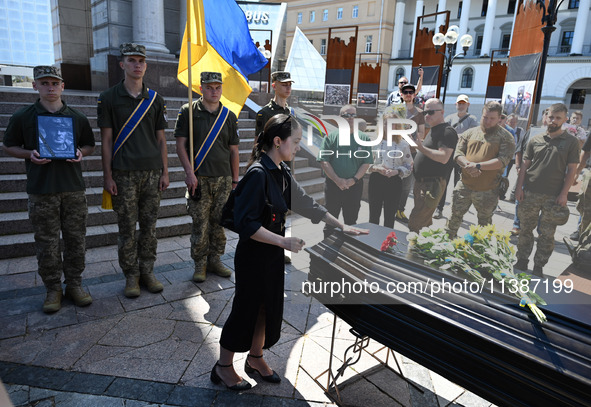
215 266
200 271
53 301
132 287
80 297
149 281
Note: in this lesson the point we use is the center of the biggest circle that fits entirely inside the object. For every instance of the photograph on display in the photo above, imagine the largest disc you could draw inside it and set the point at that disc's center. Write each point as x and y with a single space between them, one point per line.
518 97
56 137
427 92
264 87
336 95
255 85
368 100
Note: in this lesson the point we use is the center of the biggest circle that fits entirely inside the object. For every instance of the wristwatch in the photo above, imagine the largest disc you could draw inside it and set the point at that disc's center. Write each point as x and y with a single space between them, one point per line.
478 166
356 179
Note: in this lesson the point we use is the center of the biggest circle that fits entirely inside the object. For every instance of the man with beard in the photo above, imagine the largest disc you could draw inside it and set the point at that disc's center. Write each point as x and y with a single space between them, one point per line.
548 171
396 96
482 153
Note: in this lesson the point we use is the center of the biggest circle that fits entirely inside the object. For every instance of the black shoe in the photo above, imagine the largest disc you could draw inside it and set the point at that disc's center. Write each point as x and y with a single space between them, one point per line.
437 214
574 236
521 265
570 246
272 378
216 379
538 271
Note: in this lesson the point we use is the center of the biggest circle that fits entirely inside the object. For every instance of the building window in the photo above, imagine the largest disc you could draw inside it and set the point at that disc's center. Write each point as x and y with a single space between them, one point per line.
399 74
573 4
511 7
460 4
312 16
566 41
299 18
355 11
323 46
467 78
484 8
325 15
368 41
339 13
478 45
506 41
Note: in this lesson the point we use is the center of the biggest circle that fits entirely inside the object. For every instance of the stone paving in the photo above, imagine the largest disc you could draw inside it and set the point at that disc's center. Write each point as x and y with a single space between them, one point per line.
158 349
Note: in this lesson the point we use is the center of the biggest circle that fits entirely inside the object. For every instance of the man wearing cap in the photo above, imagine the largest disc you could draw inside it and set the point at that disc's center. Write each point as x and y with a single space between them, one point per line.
281 83
548 170
132 119
396 96
56 189
214 175
482 153
460 121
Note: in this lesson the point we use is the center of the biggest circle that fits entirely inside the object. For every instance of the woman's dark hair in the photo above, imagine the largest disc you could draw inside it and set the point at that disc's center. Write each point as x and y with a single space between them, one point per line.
281 126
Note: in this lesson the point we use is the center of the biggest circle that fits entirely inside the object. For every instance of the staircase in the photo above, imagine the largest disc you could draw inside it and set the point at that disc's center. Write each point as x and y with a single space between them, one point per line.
16 237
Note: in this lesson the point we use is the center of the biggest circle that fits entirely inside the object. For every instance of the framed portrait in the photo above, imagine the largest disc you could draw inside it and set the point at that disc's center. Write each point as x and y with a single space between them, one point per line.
336 94
55 137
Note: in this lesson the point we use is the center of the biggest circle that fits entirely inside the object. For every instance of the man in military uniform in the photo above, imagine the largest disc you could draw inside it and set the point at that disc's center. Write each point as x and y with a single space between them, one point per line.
281 82
135 166
57 199
482 153
548 171
217 174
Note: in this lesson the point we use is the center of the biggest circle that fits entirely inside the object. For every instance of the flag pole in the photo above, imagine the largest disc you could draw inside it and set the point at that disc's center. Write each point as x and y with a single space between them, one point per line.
190 87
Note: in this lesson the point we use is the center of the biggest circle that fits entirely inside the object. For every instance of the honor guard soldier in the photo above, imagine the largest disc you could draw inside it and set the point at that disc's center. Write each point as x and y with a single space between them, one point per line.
281 82
55 186
132 119
214 173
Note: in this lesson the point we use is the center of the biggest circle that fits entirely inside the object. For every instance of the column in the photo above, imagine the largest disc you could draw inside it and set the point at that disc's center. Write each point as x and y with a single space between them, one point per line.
441 17
488 28
182 22
418 13
148 24
398 26
513 26
580 27
464 19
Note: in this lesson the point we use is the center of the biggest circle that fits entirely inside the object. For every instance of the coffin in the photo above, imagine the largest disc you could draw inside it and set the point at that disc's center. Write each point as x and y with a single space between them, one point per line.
484 342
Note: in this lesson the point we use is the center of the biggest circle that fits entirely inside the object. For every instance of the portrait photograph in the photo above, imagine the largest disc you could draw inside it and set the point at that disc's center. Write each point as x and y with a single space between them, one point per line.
55 136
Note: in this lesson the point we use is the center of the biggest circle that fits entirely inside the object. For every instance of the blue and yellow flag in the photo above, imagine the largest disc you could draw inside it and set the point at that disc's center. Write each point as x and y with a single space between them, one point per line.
220 42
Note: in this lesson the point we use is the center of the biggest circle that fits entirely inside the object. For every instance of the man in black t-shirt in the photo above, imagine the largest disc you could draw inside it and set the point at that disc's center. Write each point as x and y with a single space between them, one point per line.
57 199
431 165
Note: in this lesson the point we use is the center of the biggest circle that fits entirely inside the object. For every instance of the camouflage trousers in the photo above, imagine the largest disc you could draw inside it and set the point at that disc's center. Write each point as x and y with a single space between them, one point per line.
584 204
207 236
532 208
485 203
137 201
50 213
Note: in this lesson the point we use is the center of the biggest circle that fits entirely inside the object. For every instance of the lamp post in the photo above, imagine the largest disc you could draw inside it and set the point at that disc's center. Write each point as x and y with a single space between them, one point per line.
549 17
450 38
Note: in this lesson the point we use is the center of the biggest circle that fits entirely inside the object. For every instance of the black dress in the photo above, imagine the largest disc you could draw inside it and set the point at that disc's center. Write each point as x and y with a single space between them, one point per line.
259 266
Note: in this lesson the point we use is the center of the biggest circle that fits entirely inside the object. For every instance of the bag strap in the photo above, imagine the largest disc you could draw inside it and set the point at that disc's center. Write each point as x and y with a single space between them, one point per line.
213 134
460 121
133 120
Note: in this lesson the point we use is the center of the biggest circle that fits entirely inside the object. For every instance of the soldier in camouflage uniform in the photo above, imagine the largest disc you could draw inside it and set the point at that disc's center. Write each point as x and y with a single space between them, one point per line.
281 83
56 189
548 171
137 173
482 153
209 186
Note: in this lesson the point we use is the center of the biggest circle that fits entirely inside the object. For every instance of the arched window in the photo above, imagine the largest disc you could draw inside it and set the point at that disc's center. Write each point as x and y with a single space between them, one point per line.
399 74
467 77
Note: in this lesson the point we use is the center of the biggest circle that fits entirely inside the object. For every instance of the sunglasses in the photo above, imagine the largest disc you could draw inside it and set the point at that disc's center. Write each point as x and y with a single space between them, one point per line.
408 92
431 112
402 83
348 115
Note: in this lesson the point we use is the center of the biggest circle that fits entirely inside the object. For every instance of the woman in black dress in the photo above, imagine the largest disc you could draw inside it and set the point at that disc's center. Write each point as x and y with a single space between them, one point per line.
254 323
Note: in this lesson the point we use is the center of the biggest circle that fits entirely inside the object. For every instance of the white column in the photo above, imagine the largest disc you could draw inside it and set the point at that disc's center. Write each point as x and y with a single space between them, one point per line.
488 27
513 26
580 27
148 24
418 13
464 18
441 17
182 21
398 26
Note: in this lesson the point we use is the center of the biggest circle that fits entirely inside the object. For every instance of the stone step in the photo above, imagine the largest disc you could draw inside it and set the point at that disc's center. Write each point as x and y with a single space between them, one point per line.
22 244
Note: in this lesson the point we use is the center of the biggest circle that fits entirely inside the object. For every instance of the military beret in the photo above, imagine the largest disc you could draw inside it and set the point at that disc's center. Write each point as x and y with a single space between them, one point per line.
44 71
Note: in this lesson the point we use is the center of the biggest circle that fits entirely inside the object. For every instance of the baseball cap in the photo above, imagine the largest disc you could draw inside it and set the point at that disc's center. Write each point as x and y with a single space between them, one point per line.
463 98
45 71
408 86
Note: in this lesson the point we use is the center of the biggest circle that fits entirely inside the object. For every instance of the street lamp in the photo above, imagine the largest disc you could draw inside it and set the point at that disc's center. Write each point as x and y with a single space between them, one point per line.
450 38
549 17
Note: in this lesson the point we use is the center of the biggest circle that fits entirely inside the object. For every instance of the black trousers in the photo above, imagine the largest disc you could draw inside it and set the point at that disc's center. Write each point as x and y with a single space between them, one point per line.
348 200
384 193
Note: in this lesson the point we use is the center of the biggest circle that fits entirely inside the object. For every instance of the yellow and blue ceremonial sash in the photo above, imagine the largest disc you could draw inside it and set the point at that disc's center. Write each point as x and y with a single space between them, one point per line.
134 119
213 134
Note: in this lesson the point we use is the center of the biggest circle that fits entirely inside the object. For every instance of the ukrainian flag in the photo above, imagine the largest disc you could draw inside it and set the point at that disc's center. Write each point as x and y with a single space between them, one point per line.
220 42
